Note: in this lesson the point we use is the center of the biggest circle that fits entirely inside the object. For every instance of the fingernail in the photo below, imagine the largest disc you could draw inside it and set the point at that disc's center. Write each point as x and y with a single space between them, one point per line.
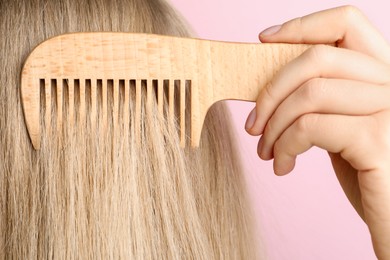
271 30
251 119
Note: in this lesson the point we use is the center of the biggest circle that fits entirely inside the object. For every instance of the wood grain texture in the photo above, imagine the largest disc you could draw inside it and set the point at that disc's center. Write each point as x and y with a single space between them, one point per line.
216 70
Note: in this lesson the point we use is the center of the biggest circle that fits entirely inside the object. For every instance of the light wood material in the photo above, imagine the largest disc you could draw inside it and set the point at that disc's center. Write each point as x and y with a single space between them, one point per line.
47 112
215 71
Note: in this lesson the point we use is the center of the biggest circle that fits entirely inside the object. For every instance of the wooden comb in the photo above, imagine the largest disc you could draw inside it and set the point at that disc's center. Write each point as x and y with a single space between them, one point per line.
213 70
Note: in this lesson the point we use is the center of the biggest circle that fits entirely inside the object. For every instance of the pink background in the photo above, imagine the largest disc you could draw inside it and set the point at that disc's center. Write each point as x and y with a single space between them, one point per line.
304 215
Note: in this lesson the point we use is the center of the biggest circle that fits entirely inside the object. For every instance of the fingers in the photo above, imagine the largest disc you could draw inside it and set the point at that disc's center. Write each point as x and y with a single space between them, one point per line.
334 133
318 62
324 96
346 26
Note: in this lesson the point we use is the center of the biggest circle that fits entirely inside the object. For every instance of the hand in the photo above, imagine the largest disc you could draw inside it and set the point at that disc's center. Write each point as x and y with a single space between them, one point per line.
337 99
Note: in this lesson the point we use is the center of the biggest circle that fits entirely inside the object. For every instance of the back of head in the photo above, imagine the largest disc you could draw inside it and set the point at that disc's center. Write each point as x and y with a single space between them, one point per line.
91 193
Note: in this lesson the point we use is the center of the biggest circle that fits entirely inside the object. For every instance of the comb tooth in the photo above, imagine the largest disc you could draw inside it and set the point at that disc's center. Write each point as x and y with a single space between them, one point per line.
160 96
138 108
149 90
93 101
104 104
171 99
71 101
182 113
189 110
47 104
126 112
82 101
59 91
116 101
189 107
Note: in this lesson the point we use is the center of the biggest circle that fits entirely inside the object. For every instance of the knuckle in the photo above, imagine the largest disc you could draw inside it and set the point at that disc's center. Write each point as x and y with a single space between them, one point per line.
295 25
372 142
269 90
266 97
305 123
313 91
319 54
350 13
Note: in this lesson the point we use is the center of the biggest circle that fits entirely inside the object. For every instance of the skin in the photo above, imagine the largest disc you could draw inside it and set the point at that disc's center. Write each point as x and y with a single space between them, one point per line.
335 96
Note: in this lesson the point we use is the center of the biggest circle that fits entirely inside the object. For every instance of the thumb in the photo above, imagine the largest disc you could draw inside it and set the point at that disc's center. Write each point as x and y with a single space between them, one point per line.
345 26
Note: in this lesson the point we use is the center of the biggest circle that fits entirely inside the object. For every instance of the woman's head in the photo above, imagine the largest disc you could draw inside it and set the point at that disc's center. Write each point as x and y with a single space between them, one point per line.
95 193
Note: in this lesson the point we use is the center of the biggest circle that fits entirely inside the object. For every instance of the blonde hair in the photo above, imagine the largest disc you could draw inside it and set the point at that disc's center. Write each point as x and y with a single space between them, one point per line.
95 194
